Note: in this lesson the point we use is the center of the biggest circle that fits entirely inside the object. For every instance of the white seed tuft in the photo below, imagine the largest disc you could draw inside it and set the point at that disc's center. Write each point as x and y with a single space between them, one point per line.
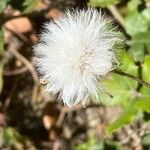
74 52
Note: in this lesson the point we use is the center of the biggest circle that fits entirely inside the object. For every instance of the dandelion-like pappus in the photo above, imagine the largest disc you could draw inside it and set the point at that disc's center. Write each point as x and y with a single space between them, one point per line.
74 52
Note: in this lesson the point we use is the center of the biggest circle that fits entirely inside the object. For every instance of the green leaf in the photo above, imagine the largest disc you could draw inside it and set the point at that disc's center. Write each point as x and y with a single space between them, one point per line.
143 101
133 5
140 33
146 14
121 88
89 144
146 140
103 3
3 4
140 46
136 23
146 69
127 116
12 136
30 5
144 39
92 144
137 51
128 64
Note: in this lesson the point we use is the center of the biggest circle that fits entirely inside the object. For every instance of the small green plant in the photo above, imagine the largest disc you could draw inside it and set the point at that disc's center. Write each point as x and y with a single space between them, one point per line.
131 95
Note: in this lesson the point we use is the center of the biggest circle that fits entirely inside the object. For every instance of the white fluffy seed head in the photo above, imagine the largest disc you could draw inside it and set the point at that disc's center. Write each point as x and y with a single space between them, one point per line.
74 52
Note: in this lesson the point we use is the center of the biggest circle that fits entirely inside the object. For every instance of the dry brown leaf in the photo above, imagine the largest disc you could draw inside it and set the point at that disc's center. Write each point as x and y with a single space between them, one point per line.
19 25
53 13
41 5
48 121
50 115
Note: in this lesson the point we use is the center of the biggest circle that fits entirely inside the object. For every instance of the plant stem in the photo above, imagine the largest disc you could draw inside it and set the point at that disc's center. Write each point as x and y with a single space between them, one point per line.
132 77
117 15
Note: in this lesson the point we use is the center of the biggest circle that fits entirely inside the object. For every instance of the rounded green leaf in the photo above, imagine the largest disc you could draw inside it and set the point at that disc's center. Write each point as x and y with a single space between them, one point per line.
136 23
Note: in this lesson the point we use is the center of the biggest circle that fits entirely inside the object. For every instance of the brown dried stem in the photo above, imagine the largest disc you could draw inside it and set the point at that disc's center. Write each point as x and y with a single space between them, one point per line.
114 11
15 72
26 63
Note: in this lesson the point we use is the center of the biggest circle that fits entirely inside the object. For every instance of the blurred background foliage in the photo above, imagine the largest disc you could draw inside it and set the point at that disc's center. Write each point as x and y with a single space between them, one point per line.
29 118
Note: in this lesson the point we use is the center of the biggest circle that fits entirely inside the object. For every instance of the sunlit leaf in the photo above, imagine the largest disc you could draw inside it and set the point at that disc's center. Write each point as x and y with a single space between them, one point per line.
103 3
146 69
146 14
121 88
128 64
133 5
138 20
127 116
30 5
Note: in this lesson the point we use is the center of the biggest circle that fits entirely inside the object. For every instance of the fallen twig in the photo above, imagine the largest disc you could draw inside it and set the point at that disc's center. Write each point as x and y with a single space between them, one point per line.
15 72
114 11
26 63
